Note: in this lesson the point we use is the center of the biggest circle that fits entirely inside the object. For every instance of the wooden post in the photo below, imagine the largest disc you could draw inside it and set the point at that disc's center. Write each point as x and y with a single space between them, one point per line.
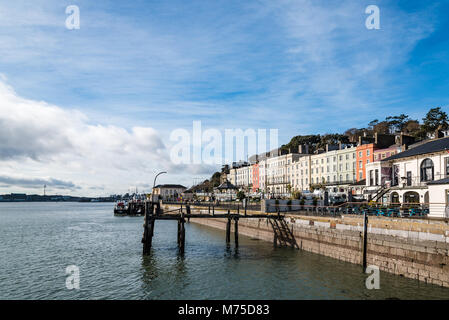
179 233
158 208
236 231
228 229
365 240
182 235
188 212
246 204
213 210
148 230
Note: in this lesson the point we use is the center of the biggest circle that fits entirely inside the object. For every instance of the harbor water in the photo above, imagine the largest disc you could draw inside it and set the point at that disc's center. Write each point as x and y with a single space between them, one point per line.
38 241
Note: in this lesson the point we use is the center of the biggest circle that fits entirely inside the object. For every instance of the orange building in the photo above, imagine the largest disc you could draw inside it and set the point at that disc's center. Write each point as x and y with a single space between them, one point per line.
256 183
364 155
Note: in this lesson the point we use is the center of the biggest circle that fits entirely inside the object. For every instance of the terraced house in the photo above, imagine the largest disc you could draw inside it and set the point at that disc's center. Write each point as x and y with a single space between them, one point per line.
404 178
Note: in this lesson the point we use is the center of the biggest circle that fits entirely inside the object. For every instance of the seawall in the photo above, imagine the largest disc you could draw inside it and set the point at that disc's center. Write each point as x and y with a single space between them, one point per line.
417 249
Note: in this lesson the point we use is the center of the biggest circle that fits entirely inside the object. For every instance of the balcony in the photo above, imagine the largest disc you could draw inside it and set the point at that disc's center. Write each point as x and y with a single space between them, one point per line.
415 182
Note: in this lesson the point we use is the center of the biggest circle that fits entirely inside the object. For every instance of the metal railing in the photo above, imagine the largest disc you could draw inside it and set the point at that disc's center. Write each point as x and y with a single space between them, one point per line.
233 206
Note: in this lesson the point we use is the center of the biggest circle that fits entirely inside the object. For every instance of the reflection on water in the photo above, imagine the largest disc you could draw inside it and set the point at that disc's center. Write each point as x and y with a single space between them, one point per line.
40 239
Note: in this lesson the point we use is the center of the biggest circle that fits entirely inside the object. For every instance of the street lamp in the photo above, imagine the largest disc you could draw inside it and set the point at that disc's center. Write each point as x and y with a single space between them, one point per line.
154 184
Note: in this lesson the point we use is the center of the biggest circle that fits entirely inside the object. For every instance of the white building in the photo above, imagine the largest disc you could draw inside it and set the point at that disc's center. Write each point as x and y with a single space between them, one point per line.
405 177
277 173
168 191
335 169
299 172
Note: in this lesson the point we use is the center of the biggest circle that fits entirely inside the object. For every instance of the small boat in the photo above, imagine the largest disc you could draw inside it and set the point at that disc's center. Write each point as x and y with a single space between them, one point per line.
120 208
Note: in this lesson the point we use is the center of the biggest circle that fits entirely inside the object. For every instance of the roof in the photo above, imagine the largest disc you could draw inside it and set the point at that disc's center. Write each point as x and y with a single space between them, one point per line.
226 185
170 186
441 181
435 145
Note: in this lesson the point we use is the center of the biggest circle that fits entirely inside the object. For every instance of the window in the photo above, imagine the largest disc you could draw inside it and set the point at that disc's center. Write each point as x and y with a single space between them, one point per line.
360 164
360 154
427 170
446 164
367 153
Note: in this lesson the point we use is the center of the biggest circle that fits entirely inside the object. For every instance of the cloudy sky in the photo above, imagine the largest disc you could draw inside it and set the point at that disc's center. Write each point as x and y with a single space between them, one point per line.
90 111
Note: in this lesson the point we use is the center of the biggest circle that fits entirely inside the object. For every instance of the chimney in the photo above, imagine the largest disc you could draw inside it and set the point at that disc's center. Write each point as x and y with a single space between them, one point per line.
327 147
339 145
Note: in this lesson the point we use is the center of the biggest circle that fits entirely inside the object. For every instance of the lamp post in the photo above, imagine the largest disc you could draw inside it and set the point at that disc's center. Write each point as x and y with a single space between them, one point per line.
154 184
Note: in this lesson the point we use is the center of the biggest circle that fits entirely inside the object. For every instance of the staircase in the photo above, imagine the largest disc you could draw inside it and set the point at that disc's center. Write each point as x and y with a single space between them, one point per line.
379 193
282 234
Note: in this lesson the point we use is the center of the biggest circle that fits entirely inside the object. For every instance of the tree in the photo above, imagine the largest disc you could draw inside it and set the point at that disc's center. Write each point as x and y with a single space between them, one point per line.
397 123
382 127
353 134
435 119
412 127
241 195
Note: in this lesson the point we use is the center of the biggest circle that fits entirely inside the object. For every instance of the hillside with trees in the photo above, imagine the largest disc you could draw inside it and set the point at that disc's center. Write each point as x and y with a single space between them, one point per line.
435 119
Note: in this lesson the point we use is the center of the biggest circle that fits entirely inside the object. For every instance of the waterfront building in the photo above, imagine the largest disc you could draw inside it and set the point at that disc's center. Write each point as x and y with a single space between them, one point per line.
255 178
278 176
405 177
263 175
226 191
334 168
300 173
232 176
168 191
341 168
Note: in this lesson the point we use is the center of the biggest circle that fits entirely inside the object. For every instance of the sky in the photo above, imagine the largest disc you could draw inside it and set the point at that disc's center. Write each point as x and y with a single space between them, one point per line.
90 111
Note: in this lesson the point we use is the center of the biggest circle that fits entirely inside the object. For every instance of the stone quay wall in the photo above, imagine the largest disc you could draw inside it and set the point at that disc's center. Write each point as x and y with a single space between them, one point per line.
413 248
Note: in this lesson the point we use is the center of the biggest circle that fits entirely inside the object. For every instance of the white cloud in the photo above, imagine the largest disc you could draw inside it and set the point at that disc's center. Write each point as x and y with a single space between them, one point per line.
41 140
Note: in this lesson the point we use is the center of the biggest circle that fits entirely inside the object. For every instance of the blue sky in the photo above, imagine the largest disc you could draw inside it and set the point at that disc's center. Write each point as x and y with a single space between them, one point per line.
300 66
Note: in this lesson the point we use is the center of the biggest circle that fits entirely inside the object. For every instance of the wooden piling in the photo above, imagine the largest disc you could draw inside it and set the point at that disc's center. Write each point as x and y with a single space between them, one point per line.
179 233
365 240
228 229
236 231
182 235
148 230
